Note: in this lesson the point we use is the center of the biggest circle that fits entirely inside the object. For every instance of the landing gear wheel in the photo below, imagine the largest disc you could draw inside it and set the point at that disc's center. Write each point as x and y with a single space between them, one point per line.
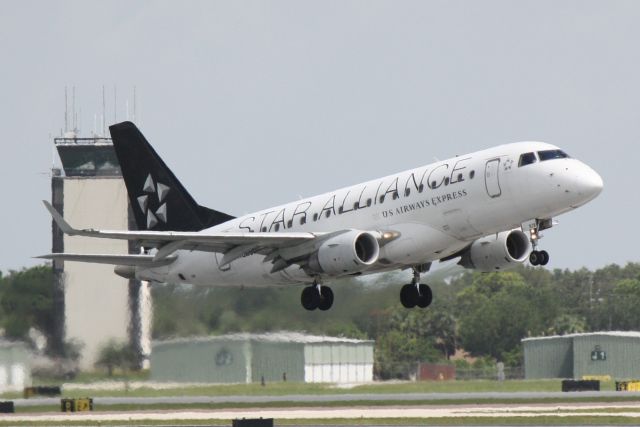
425 297
539 258
535 258
326 298
310 298
544 257
408 296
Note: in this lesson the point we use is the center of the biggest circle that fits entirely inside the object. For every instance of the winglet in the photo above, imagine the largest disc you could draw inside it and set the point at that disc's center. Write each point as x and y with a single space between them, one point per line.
59 220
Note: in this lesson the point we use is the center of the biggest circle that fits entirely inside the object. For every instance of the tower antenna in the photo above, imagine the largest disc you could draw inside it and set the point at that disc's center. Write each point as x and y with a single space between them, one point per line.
104 112
134 104
66 111
74 118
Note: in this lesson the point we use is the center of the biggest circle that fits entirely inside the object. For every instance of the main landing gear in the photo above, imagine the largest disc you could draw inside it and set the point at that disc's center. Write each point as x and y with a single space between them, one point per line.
317 296
416 293
538 257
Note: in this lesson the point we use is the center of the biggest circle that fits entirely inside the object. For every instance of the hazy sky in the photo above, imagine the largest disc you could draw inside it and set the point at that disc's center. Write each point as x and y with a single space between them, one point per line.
253 104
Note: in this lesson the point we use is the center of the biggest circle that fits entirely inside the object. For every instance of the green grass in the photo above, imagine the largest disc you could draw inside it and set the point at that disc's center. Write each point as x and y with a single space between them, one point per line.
471 386
291 388
95 376
280 389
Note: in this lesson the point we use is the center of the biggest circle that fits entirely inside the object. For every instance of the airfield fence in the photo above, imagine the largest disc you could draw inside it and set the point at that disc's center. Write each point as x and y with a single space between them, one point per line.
411 371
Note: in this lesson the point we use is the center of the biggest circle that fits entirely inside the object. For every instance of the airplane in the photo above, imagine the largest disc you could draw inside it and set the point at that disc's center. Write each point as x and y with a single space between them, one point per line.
485 209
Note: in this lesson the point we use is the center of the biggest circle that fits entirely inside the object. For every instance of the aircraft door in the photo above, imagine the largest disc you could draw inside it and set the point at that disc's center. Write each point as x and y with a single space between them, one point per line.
491 179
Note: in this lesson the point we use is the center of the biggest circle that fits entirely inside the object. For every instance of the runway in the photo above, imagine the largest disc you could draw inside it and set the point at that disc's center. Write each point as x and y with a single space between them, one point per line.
629 410
338 397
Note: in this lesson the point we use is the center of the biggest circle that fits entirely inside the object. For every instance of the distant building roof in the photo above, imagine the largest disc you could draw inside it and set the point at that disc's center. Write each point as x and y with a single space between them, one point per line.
626 334
282 336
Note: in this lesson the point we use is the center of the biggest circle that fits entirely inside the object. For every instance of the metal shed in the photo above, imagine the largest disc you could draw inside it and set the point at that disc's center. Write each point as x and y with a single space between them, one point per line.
15 366
238 358
615 354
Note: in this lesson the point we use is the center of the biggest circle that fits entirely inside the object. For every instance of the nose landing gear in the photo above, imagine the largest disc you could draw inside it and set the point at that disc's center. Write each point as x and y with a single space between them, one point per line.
535 226
416 293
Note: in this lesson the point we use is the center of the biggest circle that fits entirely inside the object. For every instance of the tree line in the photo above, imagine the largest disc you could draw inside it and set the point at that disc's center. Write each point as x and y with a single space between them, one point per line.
484 315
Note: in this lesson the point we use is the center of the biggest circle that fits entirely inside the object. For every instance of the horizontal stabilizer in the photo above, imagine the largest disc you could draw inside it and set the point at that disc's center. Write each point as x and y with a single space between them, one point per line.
130 260
189 240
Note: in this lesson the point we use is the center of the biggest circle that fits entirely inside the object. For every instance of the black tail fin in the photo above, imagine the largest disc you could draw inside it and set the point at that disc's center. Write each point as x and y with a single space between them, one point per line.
158 200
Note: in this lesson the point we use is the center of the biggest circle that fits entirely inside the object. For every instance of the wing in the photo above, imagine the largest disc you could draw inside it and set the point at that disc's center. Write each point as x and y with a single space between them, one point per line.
129 260
281 249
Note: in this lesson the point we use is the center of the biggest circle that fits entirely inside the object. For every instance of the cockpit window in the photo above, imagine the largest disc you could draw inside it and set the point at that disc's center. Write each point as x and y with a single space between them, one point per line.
552 154
527 159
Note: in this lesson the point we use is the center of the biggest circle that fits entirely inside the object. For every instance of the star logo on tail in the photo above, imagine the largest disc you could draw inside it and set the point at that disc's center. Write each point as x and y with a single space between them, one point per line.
153 191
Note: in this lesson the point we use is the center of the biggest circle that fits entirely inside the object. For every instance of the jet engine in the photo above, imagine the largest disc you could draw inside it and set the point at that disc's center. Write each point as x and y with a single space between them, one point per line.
499 251
346 253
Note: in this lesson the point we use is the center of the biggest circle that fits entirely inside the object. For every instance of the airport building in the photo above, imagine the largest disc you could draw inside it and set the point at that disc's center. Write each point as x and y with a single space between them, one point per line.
247 358
92 304
615 354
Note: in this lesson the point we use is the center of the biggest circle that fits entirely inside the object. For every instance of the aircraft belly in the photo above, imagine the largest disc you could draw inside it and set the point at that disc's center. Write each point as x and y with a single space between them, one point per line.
419 243
202 268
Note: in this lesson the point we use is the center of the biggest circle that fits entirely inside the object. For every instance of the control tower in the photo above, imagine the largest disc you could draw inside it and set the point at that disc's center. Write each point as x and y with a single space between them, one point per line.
92 304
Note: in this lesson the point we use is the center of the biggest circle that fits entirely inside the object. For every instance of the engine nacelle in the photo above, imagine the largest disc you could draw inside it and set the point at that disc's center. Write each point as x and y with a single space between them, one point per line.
346 253
497 252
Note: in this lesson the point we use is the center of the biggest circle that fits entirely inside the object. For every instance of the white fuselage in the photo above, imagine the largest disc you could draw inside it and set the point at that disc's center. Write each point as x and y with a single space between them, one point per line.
438 210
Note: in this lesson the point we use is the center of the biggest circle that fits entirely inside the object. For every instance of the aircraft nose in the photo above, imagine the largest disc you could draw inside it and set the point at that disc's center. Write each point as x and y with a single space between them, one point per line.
588 183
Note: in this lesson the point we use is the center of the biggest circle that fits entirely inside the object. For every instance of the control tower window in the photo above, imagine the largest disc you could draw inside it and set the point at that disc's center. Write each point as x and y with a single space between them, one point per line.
527 159
552 154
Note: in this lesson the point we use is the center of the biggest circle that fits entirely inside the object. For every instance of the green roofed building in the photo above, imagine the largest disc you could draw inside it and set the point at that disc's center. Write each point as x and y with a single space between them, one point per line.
615 354
246 358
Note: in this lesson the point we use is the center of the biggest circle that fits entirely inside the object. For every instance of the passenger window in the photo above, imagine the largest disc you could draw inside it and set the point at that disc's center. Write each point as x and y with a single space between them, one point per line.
552 154
527 159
